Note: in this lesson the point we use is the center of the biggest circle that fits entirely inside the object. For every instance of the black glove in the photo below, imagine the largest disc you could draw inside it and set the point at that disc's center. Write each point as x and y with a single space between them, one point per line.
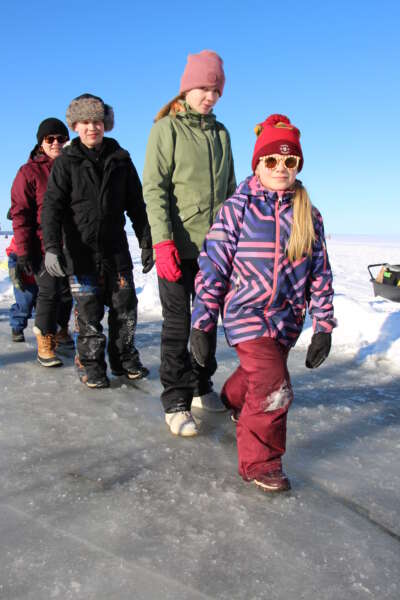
147 259
23 267
16 276
24 264
318 350
200 347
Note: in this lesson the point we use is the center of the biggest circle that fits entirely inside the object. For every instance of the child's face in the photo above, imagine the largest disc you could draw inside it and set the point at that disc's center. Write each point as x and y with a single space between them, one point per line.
279 178
202 100
90 132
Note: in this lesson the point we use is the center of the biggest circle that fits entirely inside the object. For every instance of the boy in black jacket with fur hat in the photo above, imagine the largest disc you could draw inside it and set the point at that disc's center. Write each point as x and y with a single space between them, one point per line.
92 184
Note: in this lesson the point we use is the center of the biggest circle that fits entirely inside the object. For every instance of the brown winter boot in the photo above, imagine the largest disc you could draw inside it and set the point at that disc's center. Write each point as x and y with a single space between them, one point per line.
63 339
46 346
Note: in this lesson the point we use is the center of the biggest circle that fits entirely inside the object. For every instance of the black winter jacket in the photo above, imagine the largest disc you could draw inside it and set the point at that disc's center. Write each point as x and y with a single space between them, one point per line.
84 205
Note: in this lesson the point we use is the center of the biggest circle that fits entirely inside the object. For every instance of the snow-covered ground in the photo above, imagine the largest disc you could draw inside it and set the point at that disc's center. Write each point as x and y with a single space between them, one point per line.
369 327
98 501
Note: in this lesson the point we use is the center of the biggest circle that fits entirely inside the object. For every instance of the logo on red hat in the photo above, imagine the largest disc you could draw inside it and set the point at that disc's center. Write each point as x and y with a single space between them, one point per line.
284 149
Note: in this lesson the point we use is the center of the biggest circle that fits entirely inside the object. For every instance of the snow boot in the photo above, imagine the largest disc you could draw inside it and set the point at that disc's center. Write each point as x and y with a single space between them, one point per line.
273 481
182 423
17 336
134 371
95 380
63 339
46 346
209 401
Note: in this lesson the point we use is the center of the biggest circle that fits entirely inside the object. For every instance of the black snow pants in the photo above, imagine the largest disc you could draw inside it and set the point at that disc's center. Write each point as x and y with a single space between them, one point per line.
181 377
53 303
91 293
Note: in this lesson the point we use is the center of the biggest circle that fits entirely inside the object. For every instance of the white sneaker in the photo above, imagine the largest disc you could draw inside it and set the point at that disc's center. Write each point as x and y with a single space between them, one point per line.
210 401
182 423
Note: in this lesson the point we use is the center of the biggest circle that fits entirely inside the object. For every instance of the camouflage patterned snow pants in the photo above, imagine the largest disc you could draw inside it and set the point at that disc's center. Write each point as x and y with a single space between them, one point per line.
91 293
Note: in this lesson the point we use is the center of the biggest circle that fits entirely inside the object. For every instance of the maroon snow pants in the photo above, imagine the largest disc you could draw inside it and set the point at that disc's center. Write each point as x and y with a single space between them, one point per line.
261 391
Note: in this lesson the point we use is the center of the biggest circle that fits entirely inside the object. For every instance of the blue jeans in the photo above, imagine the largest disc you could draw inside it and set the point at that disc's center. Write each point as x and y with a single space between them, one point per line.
25 301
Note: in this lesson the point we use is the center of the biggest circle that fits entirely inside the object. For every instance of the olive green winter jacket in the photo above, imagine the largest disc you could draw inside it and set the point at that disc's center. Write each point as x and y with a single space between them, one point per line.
188 174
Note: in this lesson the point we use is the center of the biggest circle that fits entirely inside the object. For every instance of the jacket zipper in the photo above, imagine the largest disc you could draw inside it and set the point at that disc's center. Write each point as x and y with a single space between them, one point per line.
202 123
101 188
277 251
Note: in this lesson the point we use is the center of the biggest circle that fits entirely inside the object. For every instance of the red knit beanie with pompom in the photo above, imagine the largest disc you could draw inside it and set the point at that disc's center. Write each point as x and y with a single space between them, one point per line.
276 135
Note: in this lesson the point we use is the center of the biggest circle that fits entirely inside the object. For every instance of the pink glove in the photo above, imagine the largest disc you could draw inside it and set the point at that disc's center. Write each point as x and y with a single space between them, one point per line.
167 261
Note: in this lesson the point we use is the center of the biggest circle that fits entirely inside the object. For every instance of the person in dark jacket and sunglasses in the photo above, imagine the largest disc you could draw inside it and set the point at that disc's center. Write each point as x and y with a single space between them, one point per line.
92 185
54 301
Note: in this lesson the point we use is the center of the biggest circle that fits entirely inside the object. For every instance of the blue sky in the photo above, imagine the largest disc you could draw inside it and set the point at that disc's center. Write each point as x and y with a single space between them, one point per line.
332 67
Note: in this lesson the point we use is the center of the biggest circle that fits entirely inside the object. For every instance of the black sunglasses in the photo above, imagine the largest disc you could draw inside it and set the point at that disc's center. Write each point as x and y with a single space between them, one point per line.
49 139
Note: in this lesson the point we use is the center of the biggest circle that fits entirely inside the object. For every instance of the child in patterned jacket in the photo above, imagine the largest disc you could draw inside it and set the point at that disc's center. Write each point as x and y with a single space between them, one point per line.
263 263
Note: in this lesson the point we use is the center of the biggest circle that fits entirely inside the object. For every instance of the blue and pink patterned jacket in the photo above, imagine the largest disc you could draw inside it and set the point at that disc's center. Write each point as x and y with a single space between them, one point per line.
245 273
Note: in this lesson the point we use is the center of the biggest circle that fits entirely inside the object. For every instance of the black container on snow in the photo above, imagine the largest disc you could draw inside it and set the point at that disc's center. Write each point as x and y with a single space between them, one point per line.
390 286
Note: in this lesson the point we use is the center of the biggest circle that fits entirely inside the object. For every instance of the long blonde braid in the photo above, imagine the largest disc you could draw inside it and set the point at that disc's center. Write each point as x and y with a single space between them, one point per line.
302 236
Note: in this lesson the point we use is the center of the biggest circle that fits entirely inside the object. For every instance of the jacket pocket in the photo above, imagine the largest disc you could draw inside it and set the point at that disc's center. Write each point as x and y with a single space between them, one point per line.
189 212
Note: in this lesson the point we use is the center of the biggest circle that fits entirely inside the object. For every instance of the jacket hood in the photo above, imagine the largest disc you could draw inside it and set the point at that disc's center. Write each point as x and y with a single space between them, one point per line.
194 117
252 186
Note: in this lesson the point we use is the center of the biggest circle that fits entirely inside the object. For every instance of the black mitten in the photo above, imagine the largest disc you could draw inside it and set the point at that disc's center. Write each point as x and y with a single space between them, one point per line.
200 347
318 350
147 259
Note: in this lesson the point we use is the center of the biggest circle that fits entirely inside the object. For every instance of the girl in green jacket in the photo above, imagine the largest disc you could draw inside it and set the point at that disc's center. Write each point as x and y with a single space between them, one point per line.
188 174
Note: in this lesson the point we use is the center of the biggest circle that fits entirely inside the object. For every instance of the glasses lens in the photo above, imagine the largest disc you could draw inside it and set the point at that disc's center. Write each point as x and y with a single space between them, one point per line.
49 139
270 162
291 162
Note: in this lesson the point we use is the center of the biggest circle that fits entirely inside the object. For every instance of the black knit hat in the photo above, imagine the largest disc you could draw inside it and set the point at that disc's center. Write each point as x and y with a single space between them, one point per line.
51 126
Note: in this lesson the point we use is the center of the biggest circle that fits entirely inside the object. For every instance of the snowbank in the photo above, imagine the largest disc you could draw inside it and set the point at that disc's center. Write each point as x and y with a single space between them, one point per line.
368 327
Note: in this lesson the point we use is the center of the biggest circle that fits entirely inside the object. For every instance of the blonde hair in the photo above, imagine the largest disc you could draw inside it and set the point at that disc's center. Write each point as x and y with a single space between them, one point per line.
302 236
171 108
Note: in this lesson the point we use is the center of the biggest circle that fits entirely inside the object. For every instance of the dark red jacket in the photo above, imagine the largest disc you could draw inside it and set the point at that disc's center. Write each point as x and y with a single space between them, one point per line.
27 195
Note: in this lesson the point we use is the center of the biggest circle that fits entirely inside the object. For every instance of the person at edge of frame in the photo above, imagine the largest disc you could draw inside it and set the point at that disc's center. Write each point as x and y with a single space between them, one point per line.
25 292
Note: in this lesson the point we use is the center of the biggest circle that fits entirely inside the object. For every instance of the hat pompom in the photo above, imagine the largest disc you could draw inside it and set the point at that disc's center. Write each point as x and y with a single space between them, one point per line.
258 129
275 119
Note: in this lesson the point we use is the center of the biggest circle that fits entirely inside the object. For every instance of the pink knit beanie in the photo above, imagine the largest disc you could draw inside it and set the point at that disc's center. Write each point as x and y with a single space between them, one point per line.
204 69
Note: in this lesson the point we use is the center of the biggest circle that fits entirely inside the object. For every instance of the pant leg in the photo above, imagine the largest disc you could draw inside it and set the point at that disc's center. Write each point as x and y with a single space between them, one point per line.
234 390
261 429
122 319
176 373
88 294
202 381
201 376
47 301
64 304
21 310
